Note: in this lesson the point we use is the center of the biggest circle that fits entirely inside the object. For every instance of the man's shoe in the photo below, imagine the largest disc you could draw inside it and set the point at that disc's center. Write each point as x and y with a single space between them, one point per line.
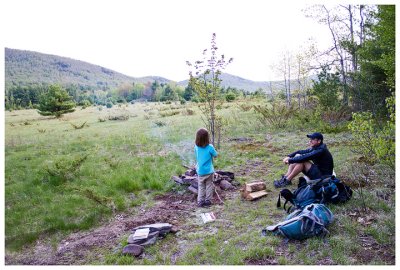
282 182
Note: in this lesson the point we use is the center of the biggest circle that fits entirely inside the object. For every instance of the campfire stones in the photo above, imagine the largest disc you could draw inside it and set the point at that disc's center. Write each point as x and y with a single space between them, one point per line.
222 179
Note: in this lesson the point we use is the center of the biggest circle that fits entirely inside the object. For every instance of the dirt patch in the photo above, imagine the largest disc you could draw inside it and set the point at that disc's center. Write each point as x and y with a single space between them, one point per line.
75 249
266 261
81 248
373 250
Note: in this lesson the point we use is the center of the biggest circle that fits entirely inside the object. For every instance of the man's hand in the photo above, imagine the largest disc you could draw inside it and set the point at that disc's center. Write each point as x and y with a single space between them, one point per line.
286 160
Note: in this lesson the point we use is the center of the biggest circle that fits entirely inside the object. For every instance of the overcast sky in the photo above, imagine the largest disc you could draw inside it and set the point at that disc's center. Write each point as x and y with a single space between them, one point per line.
156 37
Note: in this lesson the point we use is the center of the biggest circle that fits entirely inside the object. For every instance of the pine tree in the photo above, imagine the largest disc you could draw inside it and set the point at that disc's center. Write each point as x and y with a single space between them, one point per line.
56 102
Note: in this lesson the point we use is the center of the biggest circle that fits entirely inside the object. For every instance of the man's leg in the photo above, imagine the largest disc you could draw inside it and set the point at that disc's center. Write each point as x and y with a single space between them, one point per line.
296 168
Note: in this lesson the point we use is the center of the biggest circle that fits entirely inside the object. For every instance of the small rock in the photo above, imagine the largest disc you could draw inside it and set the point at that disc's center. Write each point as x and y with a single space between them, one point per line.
133 249
174 229
225 185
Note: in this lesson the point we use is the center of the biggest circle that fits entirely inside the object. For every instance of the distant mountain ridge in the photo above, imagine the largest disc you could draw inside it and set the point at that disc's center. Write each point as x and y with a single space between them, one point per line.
24 67
229 80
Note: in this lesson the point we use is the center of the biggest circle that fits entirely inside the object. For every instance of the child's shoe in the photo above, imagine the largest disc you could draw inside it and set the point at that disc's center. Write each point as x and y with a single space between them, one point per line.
207 203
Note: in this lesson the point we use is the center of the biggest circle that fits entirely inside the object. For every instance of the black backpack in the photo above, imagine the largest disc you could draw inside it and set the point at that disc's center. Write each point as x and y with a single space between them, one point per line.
325 190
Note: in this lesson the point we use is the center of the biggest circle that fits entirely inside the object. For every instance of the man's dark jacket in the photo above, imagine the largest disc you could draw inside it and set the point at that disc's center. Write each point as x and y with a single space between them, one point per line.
319 155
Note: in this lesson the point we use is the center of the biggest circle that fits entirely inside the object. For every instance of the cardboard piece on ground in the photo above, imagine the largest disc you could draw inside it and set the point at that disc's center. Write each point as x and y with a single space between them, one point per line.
207 217
141 234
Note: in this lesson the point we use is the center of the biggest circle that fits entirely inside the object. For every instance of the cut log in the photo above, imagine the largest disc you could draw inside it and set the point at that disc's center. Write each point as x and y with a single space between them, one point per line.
190 172
177 180
194 183
255 186
189 179
231 175
255 195
218 178
192 189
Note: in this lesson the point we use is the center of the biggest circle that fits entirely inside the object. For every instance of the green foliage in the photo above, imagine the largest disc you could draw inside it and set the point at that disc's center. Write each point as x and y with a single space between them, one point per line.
327 89
230 97
376 78
109 105
385 31
56 102
375 143
84 103
363 130
385 146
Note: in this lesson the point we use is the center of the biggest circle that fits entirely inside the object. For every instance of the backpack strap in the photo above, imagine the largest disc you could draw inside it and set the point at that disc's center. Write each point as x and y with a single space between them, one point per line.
278 203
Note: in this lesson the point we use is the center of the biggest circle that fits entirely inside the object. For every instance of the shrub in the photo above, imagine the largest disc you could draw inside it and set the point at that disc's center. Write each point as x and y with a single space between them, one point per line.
188 112
109 105
122 117
275 114
160 123
374 144
332 120
245 107
78 126
85 103
64 169
230 97
169 113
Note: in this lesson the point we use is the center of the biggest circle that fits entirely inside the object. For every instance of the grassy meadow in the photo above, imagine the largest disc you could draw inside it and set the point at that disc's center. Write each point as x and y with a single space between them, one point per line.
75 173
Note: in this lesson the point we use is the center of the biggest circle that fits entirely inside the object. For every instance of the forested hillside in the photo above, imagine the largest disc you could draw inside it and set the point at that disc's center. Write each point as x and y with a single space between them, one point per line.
24 68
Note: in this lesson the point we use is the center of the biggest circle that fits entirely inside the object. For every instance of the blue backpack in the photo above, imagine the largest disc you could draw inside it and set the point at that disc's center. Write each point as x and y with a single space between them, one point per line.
324 190
310 221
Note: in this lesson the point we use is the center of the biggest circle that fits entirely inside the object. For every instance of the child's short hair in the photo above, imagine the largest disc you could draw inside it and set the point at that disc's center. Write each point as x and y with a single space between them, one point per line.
202 137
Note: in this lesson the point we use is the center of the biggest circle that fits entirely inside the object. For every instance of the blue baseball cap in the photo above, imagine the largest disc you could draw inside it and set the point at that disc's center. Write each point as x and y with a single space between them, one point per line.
315 135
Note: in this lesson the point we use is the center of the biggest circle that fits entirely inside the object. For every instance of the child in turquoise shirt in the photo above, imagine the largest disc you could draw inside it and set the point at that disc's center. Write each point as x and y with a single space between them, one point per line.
205 152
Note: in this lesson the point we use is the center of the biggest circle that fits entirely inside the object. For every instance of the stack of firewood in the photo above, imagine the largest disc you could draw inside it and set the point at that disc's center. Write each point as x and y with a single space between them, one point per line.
254 190
222 179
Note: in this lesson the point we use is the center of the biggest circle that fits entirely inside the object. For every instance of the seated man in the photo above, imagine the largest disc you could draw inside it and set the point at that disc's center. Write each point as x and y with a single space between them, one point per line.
314 162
